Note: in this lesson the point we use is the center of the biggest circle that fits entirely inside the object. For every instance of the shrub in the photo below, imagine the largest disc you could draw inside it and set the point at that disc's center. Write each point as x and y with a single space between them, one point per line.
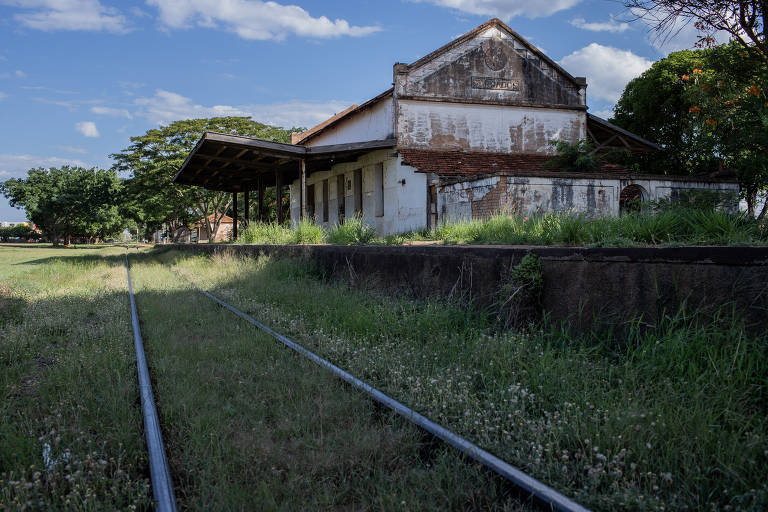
266 233
307 232
574 156
353 232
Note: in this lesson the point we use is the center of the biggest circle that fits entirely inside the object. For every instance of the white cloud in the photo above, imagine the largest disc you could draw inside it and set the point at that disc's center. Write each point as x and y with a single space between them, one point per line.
109 111
49 15
507 9
681 35
20 74
3 95
3 58
605 114
87 128
253 19
165 107
16 166
71 149
604 26
608 69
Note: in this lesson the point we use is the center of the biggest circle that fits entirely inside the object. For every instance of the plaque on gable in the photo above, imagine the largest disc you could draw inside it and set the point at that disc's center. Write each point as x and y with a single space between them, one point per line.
495 57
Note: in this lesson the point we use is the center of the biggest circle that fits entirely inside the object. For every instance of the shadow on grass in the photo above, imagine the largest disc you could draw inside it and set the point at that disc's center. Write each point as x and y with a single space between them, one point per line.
685 395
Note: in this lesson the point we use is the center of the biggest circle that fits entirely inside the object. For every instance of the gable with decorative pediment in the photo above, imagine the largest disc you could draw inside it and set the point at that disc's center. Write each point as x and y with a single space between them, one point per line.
492 66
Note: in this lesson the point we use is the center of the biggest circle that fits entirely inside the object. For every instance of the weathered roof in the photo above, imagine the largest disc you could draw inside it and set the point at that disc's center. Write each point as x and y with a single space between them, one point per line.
473 165
233 163
303 138
447 163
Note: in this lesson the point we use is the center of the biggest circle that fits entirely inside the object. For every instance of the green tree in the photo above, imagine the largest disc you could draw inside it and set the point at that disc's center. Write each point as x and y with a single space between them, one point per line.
18 231
730 106
655 106
153 159
574 156
67 201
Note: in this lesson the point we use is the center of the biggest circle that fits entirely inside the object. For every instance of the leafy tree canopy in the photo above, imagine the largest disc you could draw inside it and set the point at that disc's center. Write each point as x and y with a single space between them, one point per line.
68 201
705 108
655 106
153 159
730 106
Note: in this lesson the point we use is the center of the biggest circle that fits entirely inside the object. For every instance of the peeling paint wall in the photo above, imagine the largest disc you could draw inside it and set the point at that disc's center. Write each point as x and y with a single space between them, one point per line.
483 198
404 194
374 123
491 128
490 93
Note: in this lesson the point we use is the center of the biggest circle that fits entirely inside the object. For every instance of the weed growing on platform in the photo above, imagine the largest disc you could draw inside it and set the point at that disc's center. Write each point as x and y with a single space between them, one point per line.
671 417
668 226
353 232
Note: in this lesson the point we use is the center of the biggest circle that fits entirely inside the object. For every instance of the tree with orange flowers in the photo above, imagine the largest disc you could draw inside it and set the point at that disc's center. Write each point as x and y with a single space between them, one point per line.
730 105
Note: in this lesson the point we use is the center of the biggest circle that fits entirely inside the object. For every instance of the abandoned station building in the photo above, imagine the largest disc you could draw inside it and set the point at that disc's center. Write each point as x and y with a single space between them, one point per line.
464 133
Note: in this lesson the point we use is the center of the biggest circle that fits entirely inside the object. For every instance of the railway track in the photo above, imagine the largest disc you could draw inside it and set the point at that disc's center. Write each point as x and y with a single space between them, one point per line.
162 486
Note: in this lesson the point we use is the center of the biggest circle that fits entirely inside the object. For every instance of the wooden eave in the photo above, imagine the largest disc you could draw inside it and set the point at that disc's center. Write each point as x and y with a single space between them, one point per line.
234 164
607 136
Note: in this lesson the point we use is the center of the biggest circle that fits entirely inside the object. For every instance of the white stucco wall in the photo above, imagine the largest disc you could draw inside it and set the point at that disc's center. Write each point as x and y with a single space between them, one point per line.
374 123
490 128
404 204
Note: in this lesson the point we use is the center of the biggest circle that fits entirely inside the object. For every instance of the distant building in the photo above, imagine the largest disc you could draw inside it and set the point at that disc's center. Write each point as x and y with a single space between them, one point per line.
463 134
198 232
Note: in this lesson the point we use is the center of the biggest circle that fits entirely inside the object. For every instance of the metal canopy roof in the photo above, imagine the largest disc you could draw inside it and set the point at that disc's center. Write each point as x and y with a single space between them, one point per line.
234 164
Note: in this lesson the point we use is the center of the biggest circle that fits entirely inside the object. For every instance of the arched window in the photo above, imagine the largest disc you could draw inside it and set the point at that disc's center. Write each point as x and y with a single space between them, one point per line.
632 198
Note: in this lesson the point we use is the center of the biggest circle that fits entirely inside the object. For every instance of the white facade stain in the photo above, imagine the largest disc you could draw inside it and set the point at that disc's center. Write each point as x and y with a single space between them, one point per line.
373 123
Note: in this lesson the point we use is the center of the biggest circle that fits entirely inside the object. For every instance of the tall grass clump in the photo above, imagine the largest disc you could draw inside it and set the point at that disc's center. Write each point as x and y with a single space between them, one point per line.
353 232
680 225
270 233
307 232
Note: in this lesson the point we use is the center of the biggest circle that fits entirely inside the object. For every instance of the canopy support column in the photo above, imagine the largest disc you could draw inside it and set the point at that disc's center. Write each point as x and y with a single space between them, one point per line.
303 187
247 206
234 216
260 216
279 197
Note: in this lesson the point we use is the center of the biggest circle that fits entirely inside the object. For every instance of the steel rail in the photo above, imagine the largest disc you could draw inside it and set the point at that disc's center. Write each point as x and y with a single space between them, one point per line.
522 480
160 472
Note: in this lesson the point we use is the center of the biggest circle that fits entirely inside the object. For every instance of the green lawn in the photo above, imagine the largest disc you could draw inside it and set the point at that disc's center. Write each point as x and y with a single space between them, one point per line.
248 424
669 418
70 428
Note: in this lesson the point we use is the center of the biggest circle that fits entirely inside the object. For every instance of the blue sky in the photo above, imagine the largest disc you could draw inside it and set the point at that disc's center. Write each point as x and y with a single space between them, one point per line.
79 77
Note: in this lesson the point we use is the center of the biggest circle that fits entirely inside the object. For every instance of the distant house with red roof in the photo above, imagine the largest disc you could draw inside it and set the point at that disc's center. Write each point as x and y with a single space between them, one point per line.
198 232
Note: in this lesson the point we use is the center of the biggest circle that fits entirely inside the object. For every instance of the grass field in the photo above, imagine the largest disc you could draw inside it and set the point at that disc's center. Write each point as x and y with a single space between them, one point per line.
70 429
247 423
671 418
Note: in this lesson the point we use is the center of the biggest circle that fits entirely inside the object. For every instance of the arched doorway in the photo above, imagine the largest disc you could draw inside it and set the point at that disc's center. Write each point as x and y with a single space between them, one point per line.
632 198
